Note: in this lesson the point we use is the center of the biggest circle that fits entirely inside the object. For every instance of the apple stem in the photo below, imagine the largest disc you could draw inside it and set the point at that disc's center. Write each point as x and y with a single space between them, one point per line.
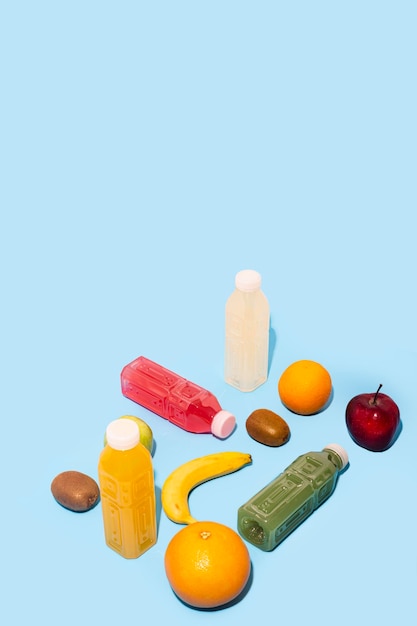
377 391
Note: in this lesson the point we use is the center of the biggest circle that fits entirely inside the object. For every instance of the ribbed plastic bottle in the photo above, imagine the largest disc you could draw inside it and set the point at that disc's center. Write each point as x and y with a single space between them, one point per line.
247 333
127 491
176 399
275 511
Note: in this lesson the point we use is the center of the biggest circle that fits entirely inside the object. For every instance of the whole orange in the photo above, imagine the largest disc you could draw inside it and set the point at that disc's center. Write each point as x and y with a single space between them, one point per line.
207 564
305 387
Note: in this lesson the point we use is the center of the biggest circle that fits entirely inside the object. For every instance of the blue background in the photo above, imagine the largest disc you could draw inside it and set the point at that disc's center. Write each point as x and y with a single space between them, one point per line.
149 151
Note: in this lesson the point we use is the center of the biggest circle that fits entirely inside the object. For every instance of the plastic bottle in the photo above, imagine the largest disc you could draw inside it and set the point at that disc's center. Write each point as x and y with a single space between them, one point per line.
176 399
127 491
247 333
275 511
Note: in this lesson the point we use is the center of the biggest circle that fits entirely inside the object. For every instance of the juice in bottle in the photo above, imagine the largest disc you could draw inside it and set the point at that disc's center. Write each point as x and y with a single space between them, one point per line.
174 398
275 511
246 333
127 491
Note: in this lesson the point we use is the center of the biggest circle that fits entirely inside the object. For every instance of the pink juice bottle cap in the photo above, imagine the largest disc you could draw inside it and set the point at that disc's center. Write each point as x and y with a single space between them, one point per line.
223 424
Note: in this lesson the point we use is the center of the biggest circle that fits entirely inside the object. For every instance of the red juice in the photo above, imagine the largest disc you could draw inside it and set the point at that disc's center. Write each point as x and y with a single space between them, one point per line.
174 398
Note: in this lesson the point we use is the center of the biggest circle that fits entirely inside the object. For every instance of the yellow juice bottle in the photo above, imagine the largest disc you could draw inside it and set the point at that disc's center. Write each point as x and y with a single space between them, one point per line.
127 491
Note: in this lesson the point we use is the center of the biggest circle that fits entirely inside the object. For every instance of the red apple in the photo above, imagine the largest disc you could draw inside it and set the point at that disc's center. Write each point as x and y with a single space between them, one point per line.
372 420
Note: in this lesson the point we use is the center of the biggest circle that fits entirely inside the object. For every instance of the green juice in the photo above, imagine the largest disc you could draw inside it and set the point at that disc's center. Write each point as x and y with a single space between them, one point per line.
275 511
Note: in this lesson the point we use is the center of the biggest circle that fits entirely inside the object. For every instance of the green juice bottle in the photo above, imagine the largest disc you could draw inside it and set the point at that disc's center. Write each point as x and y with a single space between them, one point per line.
275 511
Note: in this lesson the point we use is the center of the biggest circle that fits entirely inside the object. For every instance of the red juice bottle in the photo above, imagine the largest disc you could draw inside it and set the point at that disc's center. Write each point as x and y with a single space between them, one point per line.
174 398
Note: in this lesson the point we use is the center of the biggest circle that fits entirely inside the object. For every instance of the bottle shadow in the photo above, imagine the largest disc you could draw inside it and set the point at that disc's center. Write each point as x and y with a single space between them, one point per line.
272 346
158 504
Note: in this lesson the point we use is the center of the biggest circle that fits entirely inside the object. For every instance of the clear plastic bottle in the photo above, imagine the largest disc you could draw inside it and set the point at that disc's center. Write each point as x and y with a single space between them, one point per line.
247 333
127 491
275 511
174 398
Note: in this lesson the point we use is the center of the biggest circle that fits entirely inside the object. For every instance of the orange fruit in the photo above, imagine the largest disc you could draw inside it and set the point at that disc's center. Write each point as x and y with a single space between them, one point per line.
207 564
305 387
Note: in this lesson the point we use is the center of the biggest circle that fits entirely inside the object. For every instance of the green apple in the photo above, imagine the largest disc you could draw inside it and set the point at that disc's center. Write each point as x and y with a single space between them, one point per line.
145 431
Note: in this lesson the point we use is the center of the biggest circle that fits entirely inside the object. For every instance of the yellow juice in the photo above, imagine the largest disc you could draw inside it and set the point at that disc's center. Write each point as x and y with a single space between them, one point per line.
127 491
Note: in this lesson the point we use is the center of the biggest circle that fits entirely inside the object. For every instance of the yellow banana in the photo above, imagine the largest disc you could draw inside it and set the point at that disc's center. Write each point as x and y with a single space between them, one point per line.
183 479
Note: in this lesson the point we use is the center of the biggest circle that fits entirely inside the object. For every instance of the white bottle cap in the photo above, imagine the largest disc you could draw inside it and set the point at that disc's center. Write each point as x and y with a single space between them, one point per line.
341 452
248 280
122 434
223 424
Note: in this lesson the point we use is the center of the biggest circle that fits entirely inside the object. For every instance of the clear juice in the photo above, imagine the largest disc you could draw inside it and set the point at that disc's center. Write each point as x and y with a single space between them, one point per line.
128 500
246 339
